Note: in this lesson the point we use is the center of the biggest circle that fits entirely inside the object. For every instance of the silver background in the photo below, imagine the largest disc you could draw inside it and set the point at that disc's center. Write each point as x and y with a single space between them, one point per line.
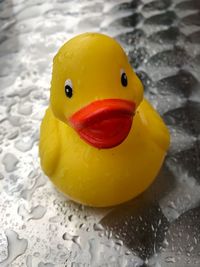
39 226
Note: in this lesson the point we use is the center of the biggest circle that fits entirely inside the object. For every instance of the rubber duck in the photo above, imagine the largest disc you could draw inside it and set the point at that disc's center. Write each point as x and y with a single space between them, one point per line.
101 143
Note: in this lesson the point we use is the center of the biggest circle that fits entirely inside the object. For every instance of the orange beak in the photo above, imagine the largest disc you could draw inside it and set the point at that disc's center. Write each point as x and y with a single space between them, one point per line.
104 123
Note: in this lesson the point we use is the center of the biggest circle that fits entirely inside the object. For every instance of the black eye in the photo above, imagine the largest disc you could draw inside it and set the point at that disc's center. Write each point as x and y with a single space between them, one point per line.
68 88
124 80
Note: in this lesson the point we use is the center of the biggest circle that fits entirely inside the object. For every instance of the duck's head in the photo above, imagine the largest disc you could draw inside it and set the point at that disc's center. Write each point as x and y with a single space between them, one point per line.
94 89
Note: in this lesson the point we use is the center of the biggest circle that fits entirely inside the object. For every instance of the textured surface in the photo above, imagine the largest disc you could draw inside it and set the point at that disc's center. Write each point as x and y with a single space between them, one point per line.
38 226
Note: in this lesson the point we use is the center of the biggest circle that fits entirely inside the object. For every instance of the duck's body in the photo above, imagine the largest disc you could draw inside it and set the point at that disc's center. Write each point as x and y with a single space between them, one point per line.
103 176
108 176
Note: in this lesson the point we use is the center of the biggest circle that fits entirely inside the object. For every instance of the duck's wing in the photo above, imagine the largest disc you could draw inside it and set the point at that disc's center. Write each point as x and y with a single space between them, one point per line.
154 125
49 144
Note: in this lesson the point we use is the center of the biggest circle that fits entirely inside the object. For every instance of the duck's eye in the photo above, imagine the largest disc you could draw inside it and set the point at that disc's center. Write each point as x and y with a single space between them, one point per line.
68 88
124 79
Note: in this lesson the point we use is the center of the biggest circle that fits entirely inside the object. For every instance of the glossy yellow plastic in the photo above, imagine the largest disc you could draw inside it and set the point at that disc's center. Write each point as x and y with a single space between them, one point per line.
88 175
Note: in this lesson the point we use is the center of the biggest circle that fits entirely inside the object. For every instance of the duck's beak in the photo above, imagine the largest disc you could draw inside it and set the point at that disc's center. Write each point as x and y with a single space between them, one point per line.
104 123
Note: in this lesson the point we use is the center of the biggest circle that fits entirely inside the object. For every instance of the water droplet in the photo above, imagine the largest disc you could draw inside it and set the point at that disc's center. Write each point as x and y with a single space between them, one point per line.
67 236
16 247
190 249
76 240
29 261
26 127
119 242
195 240
98 227
165 243
172 205
24 146
23 92
32 174
13 178
25 109
15 120
34 214
109 234
70 218
81 226
170 259
60 246
86 217
27 193
10 161
37 212
13 135
41 264
52 227
36 254
54 219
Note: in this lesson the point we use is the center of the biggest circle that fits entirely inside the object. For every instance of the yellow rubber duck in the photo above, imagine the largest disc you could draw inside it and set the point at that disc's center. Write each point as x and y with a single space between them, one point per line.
101 142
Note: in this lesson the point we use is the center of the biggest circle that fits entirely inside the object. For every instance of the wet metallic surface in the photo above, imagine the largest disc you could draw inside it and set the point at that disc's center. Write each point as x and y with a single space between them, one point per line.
39 226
